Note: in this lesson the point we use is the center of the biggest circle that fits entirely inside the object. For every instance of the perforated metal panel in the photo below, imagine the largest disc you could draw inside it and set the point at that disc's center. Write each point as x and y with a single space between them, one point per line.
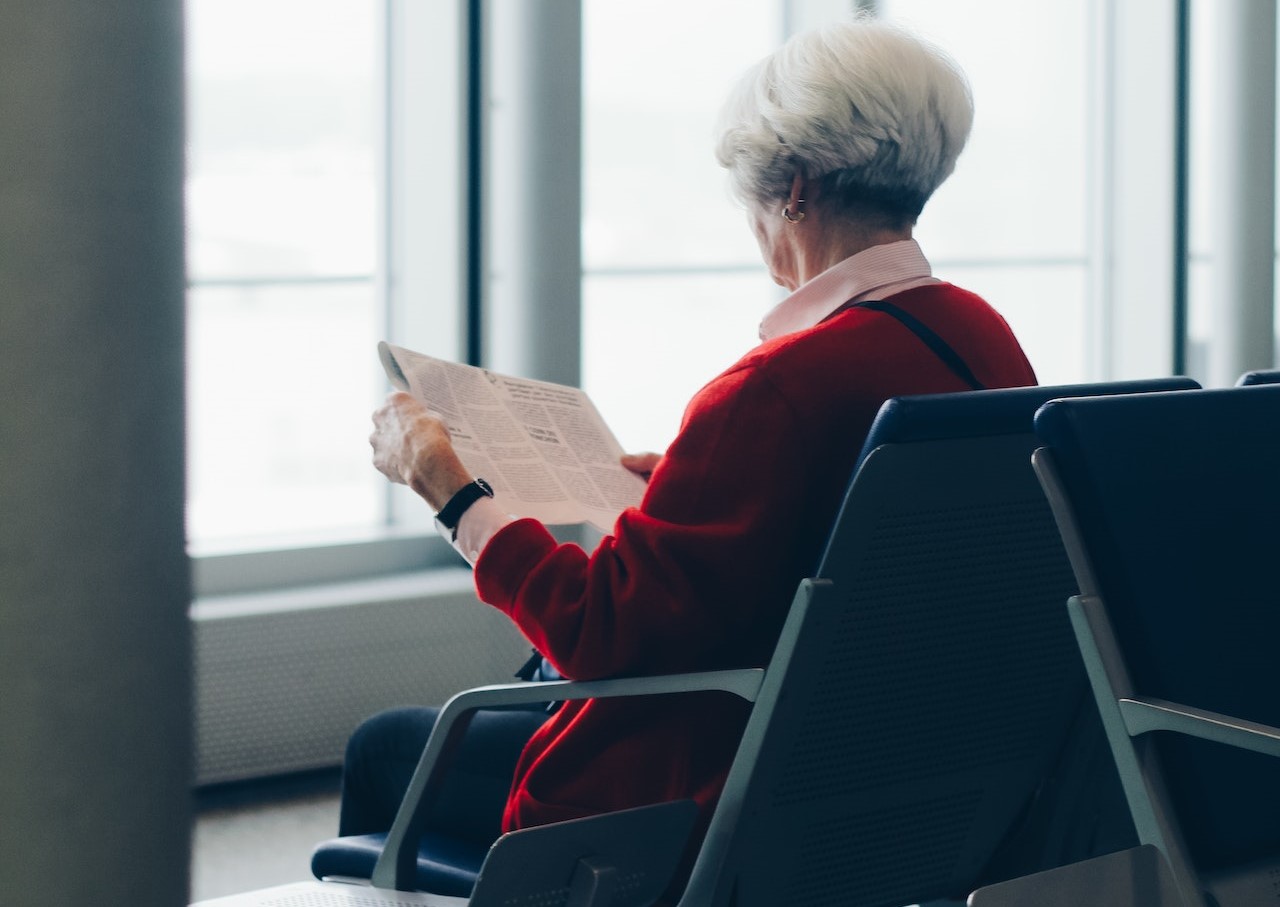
863 852
937 636
281 685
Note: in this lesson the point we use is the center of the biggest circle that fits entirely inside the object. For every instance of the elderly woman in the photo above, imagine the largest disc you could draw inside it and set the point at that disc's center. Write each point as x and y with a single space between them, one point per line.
834 143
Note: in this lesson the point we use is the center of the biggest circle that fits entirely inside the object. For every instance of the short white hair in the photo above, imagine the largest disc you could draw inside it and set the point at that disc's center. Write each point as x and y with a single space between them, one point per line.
873 112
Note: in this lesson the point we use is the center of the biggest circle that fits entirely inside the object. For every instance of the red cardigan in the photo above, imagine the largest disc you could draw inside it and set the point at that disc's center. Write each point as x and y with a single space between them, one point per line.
701 574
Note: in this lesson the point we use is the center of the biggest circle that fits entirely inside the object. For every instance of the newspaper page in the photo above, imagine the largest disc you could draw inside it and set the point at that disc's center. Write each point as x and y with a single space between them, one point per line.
542 446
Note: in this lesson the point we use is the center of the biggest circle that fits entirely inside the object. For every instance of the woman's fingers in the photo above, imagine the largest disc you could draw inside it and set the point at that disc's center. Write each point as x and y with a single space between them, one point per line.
642 464
413 447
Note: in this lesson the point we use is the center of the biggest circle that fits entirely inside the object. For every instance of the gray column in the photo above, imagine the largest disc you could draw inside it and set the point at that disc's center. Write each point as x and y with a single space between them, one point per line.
1245 189
1132 212
94 655
534 191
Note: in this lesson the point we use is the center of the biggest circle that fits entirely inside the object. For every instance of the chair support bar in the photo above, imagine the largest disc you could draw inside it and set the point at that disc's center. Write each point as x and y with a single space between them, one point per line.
1143 715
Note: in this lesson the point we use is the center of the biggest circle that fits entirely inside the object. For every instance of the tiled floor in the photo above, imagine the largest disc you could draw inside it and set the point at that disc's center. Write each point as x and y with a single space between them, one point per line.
260 834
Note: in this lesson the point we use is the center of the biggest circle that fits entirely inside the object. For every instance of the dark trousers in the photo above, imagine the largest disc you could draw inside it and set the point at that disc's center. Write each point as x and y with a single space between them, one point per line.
384 751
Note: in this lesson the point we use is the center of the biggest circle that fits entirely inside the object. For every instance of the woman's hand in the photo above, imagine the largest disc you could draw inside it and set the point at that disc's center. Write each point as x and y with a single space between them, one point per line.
642 464
413 447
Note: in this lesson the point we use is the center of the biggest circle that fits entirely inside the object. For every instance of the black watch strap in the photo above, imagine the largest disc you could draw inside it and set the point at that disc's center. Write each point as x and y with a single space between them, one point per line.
465 496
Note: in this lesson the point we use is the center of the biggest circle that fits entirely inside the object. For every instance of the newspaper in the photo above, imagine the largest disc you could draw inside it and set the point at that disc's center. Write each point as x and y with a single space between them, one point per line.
542 446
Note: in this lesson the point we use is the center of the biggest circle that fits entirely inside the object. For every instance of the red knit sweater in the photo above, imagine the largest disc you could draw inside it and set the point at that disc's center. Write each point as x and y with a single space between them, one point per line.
701 574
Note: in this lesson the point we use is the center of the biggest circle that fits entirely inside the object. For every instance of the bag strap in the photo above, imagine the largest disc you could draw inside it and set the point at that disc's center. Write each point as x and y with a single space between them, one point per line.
530 668
939 346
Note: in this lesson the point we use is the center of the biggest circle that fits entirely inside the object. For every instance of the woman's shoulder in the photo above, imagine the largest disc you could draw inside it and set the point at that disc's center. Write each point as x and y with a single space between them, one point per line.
947 300
945 290
862 342
818 356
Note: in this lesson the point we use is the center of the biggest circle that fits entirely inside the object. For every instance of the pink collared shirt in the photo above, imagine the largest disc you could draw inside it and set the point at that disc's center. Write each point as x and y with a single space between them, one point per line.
871 274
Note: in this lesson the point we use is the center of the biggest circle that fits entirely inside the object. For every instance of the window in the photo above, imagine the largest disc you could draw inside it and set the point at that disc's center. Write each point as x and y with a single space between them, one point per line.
1012 223
283 305
673 285
318 225
328 186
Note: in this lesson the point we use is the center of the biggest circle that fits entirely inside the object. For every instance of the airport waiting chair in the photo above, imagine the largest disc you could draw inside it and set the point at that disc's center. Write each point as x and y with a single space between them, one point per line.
922 690
1251 379
1168 504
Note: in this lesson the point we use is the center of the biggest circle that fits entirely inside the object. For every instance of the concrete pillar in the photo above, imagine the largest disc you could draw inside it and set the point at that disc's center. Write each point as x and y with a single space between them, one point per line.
1133 217
95 742
1244 196
532 323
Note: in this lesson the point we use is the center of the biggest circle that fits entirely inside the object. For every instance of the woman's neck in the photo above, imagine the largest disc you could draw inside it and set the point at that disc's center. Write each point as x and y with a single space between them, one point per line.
820 249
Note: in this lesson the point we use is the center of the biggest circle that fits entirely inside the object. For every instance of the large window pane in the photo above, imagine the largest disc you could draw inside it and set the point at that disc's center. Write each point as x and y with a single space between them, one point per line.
281 380
282 149
283 101
655 340
1044 305
1012 222
666 302
1020 187
654 194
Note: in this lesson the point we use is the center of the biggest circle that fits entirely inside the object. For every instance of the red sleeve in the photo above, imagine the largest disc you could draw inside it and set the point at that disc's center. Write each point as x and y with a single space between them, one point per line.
696 578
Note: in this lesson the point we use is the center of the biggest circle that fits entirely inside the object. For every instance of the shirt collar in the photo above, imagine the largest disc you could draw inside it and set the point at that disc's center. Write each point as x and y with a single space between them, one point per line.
872 273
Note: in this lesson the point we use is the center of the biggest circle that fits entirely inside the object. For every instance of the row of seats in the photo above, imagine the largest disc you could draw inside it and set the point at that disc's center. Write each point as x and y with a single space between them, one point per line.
1168 506
927 725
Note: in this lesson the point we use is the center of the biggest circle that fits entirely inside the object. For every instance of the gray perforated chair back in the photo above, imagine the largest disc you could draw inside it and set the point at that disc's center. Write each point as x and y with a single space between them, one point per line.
930 675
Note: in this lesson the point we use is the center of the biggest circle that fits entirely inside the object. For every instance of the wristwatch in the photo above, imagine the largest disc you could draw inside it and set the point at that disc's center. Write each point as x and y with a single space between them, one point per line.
449 515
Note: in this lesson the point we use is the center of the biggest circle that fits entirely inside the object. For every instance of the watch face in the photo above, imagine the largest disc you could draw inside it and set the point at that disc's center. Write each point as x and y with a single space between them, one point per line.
488 489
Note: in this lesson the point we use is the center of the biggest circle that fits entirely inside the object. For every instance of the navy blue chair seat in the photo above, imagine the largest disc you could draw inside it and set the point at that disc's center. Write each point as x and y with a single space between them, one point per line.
446 865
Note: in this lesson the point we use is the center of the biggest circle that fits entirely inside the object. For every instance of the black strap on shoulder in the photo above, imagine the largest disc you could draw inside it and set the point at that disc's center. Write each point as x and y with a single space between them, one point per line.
939 346
530 668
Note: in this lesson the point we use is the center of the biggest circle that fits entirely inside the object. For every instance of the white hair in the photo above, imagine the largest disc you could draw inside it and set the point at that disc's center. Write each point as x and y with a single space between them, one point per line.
874 113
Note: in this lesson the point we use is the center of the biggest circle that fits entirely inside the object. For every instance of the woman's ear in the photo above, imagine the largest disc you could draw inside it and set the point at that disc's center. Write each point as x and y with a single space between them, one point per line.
798 184
794 209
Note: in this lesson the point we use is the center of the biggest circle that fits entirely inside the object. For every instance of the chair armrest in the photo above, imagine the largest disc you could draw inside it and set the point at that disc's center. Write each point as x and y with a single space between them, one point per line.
395 868
1144 714
744 683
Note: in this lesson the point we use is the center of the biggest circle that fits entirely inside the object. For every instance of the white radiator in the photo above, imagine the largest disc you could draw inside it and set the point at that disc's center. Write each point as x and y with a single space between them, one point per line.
283 678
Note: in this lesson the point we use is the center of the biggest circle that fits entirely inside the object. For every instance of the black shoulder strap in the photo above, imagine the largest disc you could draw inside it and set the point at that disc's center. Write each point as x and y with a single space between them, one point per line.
939 346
